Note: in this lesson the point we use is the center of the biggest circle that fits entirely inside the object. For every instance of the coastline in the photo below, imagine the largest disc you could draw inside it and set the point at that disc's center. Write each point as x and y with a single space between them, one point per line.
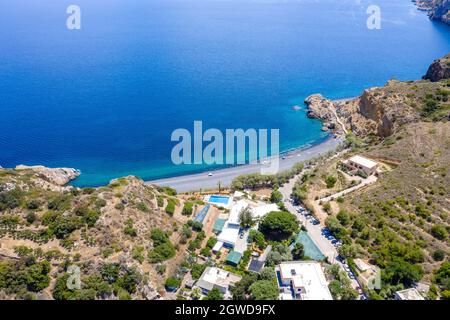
201 180
197 181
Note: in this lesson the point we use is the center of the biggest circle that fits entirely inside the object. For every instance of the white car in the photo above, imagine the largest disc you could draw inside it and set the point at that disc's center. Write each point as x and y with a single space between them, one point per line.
210 174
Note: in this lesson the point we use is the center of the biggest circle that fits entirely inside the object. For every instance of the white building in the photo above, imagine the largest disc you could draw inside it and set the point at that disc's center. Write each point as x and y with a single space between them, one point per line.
408 294
217 278
364 164
261 211
302 280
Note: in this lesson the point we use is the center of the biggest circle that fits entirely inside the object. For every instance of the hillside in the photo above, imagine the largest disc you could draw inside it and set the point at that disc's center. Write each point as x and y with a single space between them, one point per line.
120 236
400 222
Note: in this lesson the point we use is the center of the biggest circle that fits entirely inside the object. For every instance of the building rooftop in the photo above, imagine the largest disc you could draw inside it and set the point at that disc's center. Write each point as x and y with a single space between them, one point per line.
219 224
229 234
308 276
261 211
216 277
233 258
235 210
363 161
409 294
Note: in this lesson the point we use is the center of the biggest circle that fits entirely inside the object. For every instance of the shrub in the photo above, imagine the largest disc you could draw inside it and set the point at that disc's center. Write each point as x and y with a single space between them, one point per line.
170 208
187 209
330 181
438 255
143 207
439 232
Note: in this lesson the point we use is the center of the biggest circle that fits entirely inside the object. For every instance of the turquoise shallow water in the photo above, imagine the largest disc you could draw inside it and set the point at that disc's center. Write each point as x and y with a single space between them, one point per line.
106 98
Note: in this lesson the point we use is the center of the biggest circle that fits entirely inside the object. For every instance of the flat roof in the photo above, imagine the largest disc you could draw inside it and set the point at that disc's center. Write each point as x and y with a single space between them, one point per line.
363 161
229 234
234 257
235 210
216 277
219 224
409 294
261 211
309 277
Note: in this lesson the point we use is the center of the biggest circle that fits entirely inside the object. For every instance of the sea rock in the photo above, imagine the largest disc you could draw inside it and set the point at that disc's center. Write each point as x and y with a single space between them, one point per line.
320 108
58 176
439 69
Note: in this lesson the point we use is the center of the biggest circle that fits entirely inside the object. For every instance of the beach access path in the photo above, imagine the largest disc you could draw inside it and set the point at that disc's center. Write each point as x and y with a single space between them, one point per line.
195 182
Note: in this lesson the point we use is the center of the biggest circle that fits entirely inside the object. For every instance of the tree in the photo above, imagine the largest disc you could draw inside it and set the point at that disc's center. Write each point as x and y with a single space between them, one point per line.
279 225
264 290
330 181
241 288
214 294
257 237
246 218
276 196
267 273
298 253
279 254
400 271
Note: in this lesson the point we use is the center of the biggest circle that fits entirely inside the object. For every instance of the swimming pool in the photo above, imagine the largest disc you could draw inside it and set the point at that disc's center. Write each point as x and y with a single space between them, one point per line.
311 250
219 199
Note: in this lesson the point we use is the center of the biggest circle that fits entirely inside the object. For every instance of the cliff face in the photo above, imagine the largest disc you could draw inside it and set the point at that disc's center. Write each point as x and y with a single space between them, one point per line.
382 110
437 9
439 69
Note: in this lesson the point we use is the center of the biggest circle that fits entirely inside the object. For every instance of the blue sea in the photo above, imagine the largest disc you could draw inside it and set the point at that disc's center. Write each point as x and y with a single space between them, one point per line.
105 99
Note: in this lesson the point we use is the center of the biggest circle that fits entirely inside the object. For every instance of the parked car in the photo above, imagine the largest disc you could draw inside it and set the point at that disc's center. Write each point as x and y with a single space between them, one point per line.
315 222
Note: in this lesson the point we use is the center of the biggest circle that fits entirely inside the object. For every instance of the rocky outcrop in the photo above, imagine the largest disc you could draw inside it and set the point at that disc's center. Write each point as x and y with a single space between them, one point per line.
439 69
437 9
58 176
378 111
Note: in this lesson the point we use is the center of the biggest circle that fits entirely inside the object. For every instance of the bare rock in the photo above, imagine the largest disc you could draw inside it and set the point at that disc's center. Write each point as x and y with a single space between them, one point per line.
58 176
439 69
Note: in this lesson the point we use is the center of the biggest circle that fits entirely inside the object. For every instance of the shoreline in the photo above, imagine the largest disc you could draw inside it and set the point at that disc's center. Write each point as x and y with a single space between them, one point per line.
197 181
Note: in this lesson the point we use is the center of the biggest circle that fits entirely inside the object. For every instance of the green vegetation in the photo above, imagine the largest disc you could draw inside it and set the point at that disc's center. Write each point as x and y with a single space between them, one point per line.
279 225
276 196
162 247
264 290
170 208
129 228
246 218
187 209
340 285
255 180
330 181
214 294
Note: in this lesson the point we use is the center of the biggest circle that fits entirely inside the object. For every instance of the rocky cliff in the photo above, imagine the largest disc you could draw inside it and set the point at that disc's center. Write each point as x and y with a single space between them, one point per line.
439 69
437 9
382 110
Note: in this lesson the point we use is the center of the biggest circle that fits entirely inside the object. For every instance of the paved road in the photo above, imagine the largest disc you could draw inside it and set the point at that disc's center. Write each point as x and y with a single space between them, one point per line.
314 231
202 181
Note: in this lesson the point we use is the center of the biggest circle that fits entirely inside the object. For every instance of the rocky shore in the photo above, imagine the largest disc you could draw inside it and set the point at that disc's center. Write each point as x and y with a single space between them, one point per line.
437 9
382 110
